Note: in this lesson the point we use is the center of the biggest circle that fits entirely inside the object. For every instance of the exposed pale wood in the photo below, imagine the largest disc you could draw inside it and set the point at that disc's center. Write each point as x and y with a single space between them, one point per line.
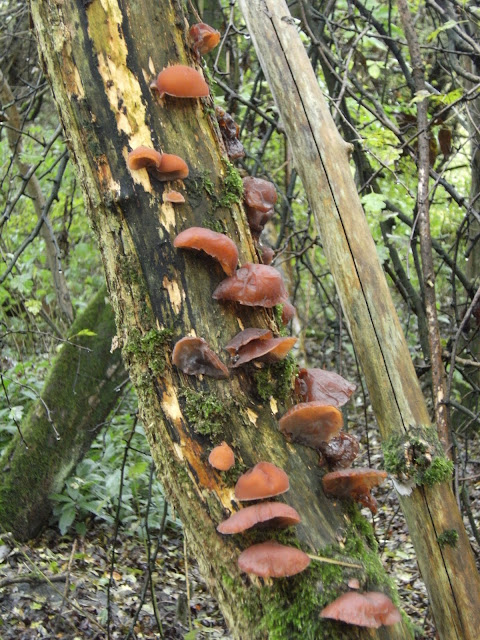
101 57
322 160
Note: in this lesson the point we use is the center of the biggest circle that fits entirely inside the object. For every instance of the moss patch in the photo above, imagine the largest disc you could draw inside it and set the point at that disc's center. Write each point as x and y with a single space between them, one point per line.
214 225
276 379
448 537
207 184
418 457
440 470
291 609
232 190
278 312
231 476
206 413
150 348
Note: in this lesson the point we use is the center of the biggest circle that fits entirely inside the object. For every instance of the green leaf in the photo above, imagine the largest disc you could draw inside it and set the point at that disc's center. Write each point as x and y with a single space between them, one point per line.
374 70
419 96
53 566
66 519
34 306
373 203
84 332
16 413
448 25
103 616
137 469
448 98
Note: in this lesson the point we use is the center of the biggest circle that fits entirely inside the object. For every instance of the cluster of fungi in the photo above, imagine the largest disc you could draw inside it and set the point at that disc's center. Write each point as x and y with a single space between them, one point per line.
316 421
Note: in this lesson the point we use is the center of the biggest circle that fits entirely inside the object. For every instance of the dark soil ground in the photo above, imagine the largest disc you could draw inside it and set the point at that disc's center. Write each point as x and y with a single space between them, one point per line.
59 588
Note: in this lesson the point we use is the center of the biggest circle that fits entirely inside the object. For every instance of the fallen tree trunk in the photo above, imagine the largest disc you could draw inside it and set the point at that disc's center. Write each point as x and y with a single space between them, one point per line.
322 160
79 393
100 61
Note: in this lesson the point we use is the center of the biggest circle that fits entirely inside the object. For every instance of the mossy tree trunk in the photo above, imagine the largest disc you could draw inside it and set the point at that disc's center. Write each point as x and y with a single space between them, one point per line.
322 160
100 57
79 393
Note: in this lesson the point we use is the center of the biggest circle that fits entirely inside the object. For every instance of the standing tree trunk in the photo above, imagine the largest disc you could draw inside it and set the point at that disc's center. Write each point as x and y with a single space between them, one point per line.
80 392
322 160
100 57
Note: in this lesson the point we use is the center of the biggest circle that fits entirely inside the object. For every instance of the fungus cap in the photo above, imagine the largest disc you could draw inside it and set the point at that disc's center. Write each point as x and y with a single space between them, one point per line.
222 457
194 357
258 219
341 450
264 480
164 166
234 148
268 350
273 560
354 483
311 423
363 609
271 514
204 37
385 611
217 245
259 194
267 254
246 336
227 124
288 312
253 285
171 168
181 81
144 158
173 196
229 130
323 386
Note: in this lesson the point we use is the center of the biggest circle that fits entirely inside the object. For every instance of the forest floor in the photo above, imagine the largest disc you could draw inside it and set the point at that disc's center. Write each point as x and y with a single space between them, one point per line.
68 587
58 587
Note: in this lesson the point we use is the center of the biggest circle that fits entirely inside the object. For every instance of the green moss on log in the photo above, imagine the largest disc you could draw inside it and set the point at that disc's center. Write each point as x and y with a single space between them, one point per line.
206 413
278 312
232 191
448 537
150 348
80 392
276 379
418 456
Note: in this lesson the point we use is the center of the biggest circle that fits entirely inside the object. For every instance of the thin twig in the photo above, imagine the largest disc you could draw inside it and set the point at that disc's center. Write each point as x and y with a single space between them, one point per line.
187 581
117 523
331 561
